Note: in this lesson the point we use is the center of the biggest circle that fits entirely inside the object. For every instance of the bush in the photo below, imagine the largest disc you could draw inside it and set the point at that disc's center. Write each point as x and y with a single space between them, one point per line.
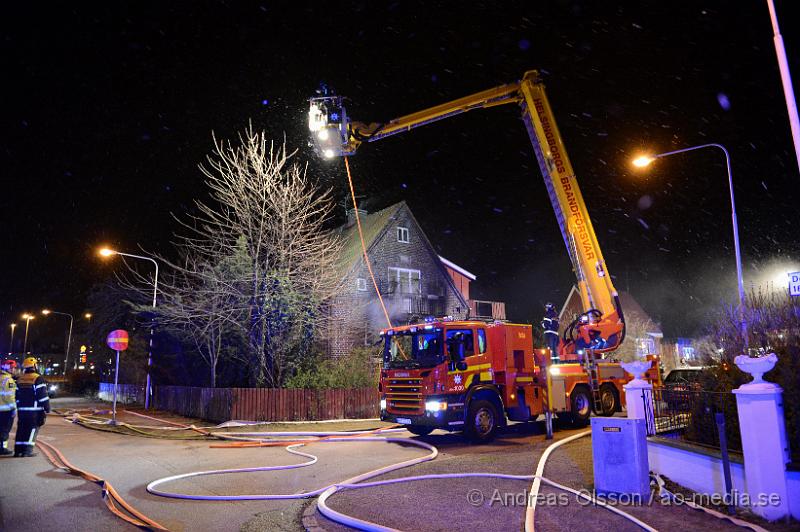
773 326
359 369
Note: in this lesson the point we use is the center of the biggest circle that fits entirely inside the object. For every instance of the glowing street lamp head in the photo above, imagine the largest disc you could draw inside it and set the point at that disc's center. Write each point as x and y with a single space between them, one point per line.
46 312
27 316
107 252
642 161
13 326
88 315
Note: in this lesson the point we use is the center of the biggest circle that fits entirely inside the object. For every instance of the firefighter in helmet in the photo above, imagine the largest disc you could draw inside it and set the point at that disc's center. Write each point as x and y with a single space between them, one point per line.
8 405
32 406
550 326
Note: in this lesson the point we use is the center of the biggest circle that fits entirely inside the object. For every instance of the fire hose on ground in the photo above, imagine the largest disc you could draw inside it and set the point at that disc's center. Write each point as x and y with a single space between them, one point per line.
303 438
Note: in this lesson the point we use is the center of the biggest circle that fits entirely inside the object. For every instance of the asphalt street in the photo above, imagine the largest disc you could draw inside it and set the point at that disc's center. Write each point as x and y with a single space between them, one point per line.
36 496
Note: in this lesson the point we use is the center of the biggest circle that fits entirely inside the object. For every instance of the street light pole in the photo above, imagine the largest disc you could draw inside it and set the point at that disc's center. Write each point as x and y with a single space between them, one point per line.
27 318
69 335
646 160
11 343
786 80
105 252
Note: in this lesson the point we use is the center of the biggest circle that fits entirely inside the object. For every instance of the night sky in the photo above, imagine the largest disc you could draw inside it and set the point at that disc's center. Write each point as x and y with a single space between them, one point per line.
110 107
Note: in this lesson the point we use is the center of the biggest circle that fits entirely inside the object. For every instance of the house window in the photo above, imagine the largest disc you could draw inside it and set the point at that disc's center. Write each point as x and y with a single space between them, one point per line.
361 284
645 346
404 281
402 235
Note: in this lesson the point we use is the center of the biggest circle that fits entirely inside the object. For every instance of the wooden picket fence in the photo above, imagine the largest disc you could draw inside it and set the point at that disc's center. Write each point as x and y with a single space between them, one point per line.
268 404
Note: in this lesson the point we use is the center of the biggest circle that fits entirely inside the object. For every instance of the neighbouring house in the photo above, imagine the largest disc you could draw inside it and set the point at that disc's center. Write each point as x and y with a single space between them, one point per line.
642 329
412 279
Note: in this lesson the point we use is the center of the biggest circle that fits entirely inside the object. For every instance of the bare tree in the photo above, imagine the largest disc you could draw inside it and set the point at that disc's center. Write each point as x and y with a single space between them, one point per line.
200 307
266 221
636 334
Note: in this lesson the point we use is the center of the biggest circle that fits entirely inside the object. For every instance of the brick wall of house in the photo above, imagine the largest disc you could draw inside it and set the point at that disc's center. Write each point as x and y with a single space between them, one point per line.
357 314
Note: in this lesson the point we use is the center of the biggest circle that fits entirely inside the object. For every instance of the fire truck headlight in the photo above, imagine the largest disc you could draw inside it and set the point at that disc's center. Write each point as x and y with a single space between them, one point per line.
435 406
554 370
328 153
383 404
53 387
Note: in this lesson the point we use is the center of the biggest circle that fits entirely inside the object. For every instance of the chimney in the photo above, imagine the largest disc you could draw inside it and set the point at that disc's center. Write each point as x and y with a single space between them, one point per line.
351 216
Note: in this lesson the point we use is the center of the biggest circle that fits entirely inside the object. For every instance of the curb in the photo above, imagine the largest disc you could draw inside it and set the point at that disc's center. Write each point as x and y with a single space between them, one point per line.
309 519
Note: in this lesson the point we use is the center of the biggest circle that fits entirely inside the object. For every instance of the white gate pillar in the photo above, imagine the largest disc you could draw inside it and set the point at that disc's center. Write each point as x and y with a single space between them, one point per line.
764 442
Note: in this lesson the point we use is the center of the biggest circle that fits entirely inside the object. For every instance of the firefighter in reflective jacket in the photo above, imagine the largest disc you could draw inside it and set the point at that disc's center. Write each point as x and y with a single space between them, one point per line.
32 407
8 405
550 326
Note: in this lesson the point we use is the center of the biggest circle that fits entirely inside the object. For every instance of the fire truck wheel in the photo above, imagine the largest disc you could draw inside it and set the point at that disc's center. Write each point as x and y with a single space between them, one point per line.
419 430
482 420
581 408
608 400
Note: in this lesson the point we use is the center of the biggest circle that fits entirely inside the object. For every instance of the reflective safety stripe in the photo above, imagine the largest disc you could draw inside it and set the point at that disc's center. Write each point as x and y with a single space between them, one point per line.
43 400
6 408
30 439
547 319
23 443
40 386
551 332
30 408
10 392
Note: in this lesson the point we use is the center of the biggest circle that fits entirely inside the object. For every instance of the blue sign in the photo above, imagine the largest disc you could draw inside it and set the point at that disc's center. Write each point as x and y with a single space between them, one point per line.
794 284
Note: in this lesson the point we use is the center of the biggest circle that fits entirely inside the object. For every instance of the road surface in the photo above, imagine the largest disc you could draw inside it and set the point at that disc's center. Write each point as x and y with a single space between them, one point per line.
36 496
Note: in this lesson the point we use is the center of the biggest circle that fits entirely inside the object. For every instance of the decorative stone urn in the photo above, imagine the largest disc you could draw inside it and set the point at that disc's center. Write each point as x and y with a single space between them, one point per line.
757 367
637 369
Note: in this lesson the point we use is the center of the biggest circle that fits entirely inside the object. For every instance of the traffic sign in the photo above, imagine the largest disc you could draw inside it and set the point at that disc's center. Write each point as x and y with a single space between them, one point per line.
118 340
794 284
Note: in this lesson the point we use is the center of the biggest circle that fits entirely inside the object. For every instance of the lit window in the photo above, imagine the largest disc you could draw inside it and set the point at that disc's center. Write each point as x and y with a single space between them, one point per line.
645 346
402 235
361 284
404 281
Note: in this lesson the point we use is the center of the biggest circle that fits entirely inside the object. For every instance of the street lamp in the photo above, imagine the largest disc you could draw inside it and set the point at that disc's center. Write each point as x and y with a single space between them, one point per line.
27 318
645 160
69 335
11 343
106 252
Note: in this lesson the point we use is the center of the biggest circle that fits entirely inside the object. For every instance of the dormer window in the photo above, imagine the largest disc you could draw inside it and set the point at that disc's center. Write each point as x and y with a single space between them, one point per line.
361 284
402 235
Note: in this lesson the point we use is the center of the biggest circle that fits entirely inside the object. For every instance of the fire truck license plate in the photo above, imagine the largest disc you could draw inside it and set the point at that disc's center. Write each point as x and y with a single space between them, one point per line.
404 420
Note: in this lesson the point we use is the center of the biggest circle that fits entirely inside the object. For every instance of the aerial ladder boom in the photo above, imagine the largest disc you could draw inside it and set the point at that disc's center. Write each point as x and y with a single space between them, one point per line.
601 327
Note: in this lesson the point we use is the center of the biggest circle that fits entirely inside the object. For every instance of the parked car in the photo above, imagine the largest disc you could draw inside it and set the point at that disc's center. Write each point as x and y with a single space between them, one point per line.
685 378
679 385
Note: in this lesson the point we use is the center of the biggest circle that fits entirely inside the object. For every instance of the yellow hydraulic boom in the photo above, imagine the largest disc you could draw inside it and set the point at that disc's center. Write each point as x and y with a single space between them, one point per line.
602 326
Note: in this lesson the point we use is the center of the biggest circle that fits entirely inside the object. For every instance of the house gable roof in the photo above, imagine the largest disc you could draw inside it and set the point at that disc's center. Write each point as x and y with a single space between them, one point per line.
630 308
374 226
